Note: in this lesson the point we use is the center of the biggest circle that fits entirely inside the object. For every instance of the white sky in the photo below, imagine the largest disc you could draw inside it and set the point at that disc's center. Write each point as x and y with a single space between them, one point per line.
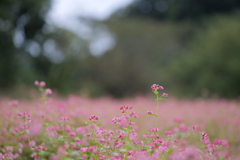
96 9
66 13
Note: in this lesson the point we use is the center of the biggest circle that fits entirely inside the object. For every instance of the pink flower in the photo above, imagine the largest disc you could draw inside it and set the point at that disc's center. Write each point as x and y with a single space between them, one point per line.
84 156
204 134
150 112
61 150
178 120
64 118
42 84
66 146
156 87
84 149
227 156
168 132
9 148
224 143
48 91
20 150
34 155
183 128
16 130
161 87
196 127
13 102
154 129
32 143
72 134
165 95
93 118
68 128
36 83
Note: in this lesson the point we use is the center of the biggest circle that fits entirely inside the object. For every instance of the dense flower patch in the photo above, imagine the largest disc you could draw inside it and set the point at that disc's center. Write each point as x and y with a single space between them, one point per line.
105 128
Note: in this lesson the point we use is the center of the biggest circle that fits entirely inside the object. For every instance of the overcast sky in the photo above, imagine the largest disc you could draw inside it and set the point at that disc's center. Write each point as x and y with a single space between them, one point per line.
97 9
66 13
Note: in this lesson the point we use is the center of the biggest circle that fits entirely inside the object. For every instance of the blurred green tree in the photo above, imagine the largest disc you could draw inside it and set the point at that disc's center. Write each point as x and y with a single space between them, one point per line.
147 51
211 65
19 21
142 52
180 9
32 49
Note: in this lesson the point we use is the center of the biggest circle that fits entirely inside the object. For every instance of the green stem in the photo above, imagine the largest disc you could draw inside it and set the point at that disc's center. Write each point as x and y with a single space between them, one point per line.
126 156
157 113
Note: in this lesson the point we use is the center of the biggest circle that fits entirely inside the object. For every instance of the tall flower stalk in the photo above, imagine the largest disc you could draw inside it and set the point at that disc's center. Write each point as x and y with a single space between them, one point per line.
155 88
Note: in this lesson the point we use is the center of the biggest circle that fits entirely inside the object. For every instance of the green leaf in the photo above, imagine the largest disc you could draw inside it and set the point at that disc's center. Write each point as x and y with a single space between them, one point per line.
170 151
146 147
99 124
151 151
41 89
44 98
160 98
42 153
22 133
153 114
156 92
47 124
60 131
129 146
129 127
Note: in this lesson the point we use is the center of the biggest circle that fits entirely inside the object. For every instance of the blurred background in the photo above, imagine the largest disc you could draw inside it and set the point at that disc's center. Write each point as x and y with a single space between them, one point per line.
120 48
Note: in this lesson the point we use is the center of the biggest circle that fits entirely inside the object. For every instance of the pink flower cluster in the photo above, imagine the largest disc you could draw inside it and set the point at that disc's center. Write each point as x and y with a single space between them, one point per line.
165 95
125 108
93 118
7 153
37 150
154 130
212 148
65 138
150 112
25 116
93 141
168 132
125 120
155 88
13 102
48 91
64 118
41 84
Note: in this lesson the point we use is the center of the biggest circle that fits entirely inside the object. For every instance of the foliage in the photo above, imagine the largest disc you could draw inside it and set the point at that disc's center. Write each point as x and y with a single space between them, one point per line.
140 52
23 17
180 9
169 50
30 47
211 65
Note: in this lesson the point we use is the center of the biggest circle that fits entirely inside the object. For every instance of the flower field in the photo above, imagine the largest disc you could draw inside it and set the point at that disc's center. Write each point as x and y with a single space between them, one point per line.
128 129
